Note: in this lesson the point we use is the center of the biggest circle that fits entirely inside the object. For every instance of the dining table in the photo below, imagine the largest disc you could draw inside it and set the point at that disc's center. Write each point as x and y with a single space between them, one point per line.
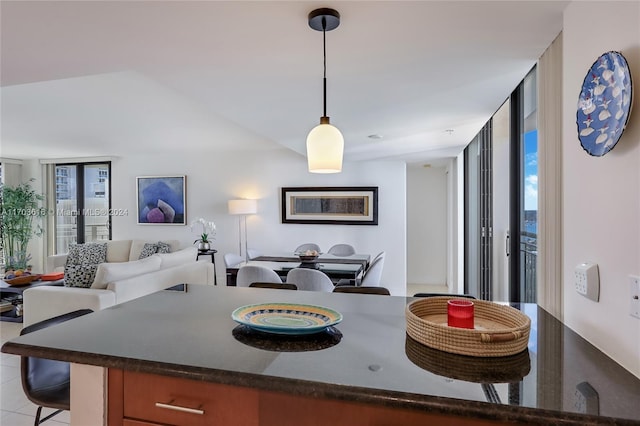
334 270
363 259
335 267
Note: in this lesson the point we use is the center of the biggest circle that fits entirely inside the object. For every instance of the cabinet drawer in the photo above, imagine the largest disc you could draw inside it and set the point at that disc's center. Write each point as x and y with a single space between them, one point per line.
187 402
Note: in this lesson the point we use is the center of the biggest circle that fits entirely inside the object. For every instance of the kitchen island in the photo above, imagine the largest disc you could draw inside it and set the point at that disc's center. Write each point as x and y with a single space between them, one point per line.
177 357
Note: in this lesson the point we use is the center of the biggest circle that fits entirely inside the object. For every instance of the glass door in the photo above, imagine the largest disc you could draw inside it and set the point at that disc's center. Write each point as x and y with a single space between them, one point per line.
501 200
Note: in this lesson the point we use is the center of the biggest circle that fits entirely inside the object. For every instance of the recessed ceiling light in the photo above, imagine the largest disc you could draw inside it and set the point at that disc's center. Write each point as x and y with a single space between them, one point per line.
375 136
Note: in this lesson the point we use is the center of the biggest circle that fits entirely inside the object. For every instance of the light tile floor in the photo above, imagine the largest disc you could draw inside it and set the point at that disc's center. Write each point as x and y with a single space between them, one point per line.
15 408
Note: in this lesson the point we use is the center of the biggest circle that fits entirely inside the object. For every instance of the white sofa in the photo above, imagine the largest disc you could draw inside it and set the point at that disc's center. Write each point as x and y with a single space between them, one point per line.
117 251
118 280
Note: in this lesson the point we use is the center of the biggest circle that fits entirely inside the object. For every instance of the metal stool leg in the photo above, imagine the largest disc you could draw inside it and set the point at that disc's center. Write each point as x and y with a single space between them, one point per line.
39 412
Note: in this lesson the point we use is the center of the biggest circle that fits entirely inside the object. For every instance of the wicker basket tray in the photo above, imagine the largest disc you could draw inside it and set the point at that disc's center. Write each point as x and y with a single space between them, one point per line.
499 330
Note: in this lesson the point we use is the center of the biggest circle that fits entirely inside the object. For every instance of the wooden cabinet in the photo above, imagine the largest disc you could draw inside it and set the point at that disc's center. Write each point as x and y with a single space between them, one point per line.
176 401
138 399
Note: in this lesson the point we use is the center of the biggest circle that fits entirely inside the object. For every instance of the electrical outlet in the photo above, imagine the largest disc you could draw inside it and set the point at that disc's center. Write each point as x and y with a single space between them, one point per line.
634 287
587 281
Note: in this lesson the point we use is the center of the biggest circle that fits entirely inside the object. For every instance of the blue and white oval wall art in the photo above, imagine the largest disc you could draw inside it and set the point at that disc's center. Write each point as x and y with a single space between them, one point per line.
604 104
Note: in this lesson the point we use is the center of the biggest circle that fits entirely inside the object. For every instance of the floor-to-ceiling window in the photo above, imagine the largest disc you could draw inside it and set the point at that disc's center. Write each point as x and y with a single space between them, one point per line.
83 201
529 191
501 192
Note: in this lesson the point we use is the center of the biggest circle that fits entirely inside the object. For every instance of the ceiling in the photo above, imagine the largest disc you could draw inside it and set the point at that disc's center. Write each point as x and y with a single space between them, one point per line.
97 78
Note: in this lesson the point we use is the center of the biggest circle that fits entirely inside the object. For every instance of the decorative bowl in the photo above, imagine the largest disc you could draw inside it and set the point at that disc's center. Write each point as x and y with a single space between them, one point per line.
308 258
23 279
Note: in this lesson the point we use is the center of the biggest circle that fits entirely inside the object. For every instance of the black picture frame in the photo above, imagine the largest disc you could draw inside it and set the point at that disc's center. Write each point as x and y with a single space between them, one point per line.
335 205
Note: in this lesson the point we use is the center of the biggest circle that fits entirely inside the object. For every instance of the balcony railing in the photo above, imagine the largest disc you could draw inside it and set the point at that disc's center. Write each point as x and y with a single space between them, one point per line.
67 234
528 258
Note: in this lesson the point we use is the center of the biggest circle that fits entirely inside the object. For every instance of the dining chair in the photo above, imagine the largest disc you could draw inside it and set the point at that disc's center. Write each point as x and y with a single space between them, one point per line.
342 250
280 286
373 275
382 254
46 382
252 253
307 246
383 291
310 280
248 274
232 259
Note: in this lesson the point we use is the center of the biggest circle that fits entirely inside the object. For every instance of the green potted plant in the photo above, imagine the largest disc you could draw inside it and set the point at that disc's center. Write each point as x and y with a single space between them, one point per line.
19 212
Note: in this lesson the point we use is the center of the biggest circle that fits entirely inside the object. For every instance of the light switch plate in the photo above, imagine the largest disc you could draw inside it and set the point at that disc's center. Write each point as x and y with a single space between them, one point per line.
634 287
587 280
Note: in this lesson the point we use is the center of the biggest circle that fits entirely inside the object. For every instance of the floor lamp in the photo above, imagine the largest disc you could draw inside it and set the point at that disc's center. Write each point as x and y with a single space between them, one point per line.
243 208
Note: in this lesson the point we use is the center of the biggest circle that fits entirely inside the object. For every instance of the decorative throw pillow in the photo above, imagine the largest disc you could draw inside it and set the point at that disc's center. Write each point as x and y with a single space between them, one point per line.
79 275
147 250
82 263
163 247
88 253
152 248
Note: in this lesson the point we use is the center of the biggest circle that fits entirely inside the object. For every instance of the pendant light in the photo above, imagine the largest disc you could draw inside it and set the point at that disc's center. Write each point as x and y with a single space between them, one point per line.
325 143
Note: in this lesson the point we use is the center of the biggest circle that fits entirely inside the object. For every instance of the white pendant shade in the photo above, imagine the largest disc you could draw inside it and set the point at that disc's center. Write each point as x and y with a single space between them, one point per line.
325 145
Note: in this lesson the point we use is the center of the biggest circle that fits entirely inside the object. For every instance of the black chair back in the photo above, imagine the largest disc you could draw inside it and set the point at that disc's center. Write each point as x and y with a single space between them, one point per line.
362 290
46 382
468 296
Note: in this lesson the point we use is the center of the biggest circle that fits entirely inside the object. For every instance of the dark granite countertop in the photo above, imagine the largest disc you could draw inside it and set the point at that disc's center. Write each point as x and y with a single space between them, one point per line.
561 379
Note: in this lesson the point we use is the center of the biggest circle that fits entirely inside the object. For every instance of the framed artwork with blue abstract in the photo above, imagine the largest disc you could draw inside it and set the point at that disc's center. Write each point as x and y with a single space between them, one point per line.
161 200
604 104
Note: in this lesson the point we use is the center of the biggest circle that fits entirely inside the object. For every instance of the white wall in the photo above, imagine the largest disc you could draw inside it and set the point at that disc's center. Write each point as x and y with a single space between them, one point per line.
426 225
214 178
601 198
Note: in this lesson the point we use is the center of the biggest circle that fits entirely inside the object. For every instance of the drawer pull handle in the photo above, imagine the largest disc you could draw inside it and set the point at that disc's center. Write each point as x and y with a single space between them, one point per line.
170 406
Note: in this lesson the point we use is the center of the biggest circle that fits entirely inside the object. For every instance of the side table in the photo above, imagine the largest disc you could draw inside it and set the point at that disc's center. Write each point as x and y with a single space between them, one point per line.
211 253
13 293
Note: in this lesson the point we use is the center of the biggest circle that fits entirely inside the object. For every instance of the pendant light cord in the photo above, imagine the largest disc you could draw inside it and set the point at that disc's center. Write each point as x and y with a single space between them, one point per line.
324 54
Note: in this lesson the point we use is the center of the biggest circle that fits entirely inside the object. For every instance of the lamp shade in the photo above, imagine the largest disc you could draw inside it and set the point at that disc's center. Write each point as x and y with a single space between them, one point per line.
243 206
325 145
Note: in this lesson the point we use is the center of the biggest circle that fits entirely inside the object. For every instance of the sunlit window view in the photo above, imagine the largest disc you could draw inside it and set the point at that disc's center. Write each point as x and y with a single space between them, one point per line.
81 216
529 215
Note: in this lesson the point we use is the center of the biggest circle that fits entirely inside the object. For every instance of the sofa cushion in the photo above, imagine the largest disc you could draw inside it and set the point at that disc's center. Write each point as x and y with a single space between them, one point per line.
193 273
109 272
82 263
118 250
180 257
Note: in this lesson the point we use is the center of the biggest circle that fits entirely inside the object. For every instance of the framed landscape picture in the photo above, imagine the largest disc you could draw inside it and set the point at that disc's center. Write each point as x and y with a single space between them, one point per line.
161 200
357 205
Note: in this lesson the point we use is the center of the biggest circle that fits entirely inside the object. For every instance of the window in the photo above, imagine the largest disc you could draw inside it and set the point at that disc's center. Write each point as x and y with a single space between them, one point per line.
501 193
82 202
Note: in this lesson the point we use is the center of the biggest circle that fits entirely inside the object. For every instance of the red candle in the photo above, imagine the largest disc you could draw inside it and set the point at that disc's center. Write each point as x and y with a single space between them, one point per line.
460 313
